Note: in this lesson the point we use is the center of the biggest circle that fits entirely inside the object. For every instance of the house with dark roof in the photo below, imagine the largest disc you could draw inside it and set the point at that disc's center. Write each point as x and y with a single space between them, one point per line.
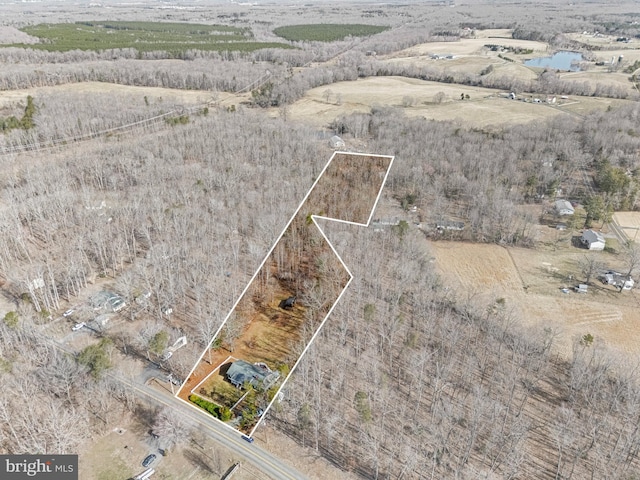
593 240
258 375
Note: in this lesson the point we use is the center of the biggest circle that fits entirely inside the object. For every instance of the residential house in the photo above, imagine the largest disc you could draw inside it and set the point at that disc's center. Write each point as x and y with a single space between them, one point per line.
563 207
593 240
242 372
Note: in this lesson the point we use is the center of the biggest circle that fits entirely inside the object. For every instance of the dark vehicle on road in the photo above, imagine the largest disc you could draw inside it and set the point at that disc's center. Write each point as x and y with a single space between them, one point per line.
247 438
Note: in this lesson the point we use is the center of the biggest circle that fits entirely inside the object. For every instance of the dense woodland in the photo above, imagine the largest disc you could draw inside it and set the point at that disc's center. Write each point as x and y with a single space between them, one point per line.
404 382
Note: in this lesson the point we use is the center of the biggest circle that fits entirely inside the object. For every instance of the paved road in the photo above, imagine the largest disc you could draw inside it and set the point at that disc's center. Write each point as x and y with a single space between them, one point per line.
250 452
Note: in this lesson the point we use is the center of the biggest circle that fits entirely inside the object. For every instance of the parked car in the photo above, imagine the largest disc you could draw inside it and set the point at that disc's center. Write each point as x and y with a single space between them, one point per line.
247 438
148 460
68 312
78 326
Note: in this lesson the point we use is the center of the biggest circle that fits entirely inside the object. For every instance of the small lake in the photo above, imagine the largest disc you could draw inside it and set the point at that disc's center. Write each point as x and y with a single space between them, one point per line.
559 61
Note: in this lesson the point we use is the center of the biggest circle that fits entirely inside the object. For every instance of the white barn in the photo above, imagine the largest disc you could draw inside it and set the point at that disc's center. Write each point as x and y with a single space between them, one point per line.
593 240
336 142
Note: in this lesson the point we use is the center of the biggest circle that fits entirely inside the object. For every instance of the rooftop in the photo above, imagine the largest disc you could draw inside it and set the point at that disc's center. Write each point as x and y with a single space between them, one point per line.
259 375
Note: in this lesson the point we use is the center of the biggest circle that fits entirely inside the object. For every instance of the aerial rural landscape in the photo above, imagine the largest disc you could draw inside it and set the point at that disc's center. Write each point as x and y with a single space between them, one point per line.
177 301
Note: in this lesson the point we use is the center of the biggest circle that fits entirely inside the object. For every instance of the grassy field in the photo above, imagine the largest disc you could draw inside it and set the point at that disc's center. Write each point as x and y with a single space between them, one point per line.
476 45
530 283
174 38
487 108
326 32
416 98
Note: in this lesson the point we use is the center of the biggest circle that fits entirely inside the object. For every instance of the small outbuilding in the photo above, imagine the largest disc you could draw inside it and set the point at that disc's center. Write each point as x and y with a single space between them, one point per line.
564 207
582 288
336 142
593 240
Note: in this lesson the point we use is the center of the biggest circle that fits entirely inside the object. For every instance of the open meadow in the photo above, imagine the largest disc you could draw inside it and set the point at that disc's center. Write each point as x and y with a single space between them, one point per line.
531 281
485 107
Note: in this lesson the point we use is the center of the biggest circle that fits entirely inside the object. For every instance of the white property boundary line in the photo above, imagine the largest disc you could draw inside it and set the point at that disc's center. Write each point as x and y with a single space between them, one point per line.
313 218
193 390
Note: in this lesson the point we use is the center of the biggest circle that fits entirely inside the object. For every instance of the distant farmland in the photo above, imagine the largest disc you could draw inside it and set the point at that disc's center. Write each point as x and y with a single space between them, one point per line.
173 38
327 32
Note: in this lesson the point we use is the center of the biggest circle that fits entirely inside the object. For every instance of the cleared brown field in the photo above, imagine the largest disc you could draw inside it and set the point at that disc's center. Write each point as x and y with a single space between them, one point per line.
154 94
602 77
470 64
466 63
629 223
604 41
486 108
473 46
530 282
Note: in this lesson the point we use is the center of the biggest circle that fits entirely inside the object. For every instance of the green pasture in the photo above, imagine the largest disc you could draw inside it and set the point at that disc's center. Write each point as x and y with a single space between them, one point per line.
174 38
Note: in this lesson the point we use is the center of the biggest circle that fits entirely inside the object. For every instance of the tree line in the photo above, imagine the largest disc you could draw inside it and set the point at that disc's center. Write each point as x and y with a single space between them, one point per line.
403 379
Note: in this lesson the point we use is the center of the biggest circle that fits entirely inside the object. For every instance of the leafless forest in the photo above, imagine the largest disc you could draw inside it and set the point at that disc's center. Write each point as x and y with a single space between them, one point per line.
403 382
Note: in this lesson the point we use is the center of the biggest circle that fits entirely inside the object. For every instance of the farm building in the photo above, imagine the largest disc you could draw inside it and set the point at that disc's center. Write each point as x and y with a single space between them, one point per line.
593 240
617 280
563 207
582 288
336 142
259 375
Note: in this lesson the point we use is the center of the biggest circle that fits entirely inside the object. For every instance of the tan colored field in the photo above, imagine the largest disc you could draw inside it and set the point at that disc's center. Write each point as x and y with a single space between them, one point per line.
604 41
602 77
470 64
585 105
512 69
467 63
629 223
530 281
187 97
630 55
483 108
473 46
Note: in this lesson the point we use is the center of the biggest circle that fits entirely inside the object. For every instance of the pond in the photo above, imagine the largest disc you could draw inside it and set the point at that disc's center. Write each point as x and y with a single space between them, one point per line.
559 61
